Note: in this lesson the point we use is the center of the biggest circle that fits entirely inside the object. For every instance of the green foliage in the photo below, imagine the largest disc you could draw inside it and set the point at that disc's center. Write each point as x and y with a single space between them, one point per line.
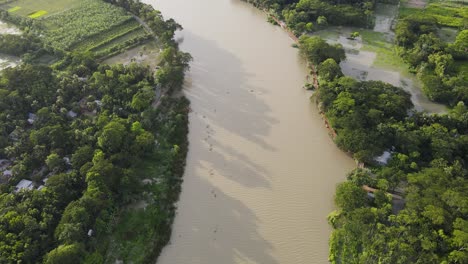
72 254
356 110
114 127
329 70
433 59
18 45
87 19
316 50
349 196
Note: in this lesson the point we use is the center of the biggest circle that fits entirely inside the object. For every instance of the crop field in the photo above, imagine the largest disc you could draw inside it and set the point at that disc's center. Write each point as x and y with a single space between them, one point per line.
448 14
27 8
130 40
100 39
81 25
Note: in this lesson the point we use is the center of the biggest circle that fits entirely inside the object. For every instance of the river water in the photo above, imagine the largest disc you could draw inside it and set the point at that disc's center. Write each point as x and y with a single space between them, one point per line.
261 170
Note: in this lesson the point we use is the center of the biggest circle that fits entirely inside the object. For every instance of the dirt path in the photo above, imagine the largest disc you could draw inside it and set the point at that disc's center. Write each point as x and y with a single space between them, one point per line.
416 3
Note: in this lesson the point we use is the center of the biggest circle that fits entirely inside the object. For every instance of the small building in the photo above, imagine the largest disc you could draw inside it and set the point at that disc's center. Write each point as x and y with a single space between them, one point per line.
4 164
31 118
40 187
24 185
7 173
67 161
72 114
384 158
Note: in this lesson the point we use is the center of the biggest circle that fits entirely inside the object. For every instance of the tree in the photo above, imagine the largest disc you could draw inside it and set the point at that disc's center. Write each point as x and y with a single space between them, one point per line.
354 35
317 50
112 137
55 162
72 254
460 46
349 196
322 21
329 70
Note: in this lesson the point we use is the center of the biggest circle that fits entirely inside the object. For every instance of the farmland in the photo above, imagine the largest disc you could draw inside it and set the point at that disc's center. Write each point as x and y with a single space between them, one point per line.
447 14
86 25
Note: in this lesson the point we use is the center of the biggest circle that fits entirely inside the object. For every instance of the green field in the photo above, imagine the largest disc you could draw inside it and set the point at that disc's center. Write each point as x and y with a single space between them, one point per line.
447 13
81 25
27 7
100 39
129 39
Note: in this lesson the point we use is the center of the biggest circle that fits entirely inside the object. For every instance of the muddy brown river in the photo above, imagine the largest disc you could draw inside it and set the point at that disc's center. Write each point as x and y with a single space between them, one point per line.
261 169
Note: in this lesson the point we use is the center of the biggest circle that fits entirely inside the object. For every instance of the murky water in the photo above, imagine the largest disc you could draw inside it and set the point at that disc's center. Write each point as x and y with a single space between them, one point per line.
261 169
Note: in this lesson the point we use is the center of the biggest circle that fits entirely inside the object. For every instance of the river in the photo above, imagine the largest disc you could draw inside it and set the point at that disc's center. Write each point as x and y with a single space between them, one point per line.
261 170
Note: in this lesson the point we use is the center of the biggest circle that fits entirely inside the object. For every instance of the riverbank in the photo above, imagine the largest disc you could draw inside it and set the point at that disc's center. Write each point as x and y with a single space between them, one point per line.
371 116
125 170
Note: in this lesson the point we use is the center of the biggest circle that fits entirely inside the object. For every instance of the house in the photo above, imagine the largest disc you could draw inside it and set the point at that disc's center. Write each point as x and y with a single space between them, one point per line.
67 161
24 185
4 164
384 158
72 114
7 173
31 118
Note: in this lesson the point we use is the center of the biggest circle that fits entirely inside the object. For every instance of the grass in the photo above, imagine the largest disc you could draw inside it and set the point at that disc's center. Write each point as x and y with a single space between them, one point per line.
38 14
82 25
387 57
116 42
28 7
14 9
446 14
101 39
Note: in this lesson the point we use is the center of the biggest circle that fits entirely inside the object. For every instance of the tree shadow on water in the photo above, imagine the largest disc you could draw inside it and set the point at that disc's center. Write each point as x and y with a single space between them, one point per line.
211 226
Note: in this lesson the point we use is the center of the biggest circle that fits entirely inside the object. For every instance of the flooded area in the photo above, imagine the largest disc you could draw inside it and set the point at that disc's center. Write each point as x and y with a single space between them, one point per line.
261 169
363 61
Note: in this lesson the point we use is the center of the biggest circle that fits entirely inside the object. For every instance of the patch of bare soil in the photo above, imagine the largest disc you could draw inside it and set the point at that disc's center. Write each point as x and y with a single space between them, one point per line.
416 3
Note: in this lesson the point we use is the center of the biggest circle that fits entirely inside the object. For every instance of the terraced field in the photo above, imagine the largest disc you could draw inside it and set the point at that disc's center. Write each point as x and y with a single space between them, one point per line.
113 46
81 25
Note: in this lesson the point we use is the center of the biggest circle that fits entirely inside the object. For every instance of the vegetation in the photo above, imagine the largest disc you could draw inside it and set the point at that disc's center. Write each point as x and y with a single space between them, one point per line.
442 12
428 153
89 25
309 15
433 59
88 137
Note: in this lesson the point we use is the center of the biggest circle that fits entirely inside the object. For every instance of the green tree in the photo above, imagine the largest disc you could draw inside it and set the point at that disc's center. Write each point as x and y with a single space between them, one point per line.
72 254
112 137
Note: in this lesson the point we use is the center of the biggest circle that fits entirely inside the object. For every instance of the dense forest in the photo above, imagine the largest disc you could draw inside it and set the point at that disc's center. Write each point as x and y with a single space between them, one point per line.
77 137
408 201
304 16
427 162
433 59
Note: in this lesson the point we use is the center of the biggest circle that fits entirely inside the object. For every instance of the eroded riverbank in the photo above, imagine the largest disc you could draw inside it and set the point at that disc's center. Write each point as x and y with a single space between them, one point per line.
261 169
